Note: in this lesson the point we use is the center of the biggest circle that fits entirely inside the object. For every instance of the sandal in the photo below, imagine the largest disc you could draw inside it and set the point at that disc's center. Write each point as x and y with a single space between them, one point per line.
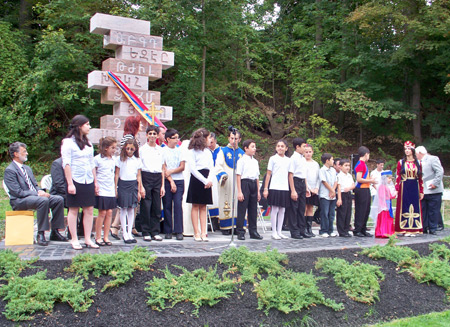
115 235
76 245
136 233
107 243
205 238
100 243
197 238
91 245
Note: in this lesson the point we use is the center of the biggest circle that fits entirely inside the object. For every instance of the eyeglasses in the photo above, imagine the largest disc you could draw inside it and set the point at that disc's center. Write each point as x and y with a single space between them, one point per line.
152 133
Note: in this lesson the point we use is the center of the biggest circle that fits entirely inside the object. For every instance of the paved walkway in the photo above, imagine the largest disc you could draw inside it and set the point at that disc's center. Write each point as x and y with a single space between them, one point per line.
216 245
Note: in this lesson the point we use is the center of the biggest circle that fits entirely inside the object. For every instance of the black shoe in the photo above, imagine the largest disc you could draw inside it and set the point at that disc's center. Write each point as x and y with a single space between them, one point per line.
256 236
425 230
345 235
168 236
367 234
40 239
241 237
55 235
297 237
128 241
285 228
179 237
432 232
133 240
135 233
439 228
359 234
226 232
305 235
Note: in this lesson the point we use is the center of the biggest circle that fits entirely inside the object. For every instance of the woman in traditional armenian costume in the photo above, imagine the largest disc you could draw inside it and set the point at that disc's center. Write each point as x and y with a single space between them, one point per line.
409 185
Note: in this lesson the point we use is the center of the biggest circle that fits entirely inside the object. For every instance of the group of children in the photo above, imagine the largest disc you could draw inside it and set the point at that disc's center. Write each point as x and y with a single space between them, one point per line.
292 187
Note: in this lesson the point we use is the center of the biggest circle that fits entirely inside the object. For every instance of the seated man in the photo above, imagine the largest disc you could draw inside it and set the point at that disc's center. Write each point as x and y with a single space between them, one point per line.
25 194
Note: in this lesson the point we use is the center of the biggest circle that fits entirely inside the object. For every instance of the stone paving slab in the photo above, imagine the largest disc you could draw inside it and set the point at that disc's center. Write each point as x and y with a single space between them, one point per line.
217 244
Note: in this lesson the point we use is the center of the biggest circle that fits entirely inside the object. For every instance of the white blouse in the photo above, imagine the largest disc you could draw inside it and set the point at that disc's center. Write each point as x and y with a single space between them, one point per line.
81 162
198 160
106 168
129 168
279 166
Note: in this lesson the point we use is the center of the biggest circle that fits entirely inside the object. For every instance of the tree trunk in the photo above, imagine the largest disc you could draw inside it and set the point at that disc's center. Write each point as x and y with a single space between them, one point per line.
415 105
24 15
317 103
203 61
276 128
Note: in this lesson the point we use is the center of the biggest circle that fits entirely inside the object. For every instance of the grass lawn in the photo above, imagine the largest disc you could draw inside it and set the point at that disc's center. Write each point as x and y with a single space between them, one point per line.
435 319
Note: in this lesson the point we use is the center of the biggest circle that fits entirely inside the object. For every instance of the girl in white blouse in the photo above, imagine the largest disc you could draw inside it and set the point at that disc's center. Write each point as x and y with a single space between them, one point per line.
201 165
78 162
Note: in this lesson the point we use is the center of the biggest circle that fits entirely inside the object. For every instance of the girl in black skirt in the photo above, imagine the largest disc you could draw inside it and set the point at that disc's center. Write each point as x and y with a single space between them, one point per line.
128 183
199 193
78 162
277 194
106 198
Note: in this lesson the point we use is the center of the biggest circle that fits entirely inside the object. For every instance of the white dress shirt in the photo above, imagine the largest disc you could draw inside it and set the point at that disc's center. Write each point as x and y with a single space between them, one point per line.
129 168
279 166
81 162
172 158
151 157
298 165
344 180
105 175
247 167
201 159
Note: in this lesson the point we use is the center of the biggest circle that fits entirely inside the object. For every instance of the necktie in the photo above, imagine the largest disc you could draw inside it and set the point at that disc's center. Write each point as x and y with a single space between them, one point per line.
27 178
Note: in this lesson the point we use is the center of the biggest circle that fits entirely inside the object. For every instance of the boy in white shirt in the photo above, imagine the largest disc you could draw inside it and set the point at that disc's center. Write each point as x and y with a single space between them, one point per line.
327 195
344 202
152 186
247 180
174 163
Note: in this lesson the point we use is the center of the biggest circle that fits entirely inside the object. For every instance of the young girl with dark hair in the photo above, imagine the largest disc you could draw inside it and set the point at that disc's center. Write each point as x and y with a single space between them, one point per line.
409 185
199 193
127 184
106 196
78 162
277 194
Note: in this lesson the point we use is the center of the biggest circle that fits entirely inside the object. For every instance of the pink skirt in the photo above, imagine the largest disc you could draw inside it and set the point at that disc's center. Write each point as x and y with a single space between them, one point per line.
385 225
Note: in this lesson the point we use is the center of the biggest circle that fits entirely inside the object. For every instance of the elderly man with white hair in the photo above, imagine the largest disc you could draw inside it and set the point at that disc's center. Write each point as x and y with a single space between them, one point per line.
433 189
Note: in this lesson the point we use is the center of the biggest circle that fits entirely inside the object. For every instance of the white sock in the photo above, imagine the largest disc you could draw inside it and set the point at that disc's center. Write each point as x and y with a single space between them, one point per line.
130 221
273 219
280 220
123 222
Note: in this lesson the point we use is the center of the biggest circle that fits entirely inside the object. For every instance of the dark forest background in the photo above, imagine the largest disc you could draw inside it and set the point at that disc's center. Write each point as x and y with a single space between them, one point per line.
340 73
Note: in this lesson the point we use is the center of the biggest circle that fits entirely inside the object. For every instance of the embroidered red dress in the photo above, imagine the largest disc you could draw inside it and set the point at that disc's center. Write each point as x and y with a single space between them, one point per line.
408 213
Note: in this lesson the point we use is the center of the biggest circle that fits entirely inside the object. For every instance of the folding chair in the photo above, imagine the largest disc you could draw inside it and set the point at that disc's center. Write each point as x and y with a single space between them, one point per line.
261 220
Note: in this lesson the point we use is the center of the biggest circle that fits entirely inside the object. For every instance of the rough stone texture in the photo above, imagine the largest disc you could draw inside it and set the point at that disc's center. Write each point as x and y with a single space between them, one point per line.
164 58
103 23
118 38
99 80
121 66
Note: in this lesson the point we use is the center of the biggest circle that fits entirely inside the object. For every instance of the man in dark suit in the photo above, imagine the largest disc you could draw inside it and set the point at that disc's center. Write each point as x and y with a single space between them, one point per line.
25 194
59 184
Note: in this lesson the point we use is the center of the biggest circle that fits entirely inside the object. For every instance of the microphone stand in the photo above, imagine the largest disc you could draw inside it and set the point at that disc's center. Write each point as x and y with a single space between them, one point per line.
232 243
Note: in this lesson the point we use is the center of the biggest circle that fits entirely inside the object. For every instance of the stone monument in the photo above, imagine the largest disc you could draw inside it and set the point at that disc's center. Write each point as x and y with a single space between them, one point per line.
139 58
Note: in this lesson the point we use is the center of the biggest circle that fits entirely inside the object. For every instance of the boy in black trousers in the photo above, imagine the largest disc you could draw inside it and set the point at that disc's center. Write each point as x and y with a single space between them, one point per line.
247 180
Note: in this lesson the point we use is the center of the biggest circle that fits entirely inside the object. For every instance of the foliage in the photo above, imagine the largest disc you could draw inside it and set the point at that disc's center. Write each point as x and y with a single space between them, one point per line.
440 251
200 287
398 254
431 269
446 239
322 140
291 292
11 265
252 264
120 265
391 161
27 295
360 281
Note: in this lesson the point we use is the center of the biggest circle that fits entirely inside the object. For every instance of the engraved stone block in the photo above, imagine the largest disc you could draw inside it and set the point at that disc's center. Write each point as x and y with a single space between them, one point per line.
100 80
127 109
95 134
164 58
121 66
111 95
118 38
102 24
